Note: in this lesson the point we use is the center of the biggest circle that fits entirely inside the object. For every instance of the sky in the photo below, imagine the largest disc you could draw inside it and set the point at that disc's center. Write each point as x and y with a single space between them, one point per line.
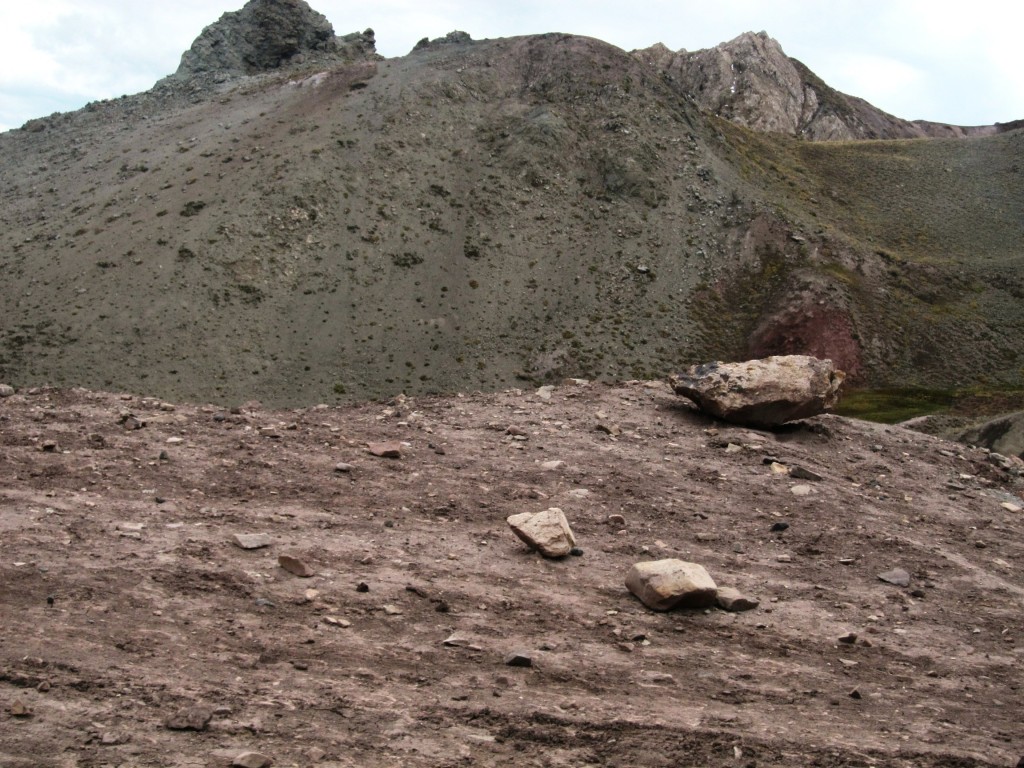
951 62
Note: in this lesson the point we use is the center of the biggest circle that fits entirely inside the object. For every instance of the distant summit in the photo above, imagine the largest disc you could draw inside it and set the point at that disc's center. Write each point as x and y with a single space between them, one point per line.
267 35
752 82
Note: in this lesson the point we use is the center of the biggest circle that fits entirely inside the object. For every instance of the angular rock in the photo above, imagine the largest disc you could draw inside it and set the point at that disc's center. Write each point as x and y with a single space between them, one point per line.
251 540
762 393
390 450
295 566
547 531
802 473
666 584
6 390
190 719
519 659
734 601
252 760
896 576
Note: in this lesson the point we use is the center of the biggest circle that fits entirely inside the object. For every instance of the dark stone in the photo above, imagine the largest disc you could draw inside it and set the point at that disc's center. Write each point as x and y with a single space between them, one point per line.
780 526
519 659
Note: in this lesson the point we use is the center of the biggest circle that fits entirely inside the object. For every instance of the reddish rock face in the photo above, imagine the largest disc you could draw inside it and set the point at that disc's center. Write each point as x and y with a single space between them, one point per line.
819 331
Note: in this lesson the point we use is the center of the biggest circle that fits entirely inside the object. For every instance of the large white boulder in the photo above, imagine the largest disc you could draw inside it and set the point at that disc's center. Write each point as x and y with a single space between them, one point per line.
762 393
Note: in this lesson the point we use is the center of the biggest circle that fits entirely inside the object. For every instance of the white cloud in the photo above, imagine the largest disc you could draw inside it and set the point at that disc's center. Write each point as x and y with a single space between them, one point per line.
933 59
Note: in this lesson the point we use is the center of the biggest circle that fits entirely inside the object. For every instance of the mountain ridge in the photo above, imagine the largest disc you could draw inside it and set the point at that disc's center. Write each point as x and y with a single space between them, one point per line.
478 214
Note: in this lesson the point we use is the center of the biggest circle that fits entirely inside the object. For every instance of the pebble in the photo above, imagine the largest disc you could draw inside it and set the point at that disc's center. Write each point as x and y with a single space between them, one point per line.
549 466
801 490
734 601
784 559
392 610
252 760
1009 506
6 390
334 621
616 520
343 468
779 526
778 469
175 440
295 566
802 473
896 576
190 719
519 659
251 540
20 709
389 450
849 638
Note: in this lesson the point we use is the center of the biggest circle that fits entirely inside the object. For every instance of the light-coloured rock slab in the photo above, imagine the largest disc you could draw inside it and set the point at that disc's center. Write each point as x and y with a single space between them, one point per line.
762 393
666 584
547 531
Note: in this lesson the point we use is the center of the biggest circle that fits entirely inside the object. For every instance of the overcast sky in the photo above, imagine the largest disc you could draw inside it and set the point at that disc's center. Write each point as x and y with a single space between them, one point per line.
952 62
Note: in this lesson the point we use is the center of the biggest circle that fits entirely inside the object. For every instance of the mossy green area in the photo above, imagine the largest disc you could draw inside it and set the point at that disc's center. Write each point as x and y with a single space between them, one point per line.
891 406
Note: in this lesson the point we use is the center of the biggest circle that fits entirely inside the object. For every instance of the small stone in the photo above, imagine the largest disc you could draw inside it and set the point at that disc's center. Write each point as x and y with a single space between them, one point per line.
616 521
896 576
802 473
849 638
609 429
251 540
392 610
519 659
295 566
784 559
252 760
20 709
315 754
389 450
779 526
778 469
190 719
547 531
175 440
44 686
800 490
515 431
666 584
457 640
544 393
334 621
576 552
6 390
733 448
1009 506
343 468
48 446
855 694
550 466
362 586
734 601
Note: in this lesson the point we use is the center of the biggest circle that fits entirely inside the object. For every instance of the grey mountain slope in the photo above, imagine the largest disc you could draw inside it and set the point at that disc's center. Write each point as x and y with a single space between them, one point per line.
481 214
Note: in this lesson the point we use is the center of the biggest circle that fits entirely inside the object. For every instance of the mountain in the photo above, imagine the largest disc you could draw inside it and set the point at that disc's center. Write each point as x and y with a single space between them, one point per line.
291 217
752 82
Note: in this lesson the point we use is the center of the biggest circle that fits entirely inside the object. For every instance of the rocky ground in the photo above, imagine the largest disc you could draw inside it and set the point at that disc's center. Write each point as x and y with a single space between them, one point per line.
137 631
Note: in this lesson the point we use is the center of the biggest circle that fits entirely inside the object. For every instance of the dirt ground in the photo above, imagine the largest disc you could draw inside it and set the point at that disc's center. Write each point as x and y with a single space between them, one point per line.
136 632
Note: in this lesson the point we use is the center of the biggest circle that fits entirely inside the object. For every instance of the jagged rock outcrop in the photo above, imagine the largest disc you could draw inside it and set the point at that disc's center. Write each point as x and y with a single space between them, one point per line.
266 35
751 81
1003 434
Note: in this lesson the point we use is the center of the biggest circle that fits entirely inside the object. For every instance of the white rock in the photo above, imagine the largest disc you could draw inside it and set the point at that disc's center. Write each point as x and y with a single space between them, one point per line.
546 531
762 393
666 584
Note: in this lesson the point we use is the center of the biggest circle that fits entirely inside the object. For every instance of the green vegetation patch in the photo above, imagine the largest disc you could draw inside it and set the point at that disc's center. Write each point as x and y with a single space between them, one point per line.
890 406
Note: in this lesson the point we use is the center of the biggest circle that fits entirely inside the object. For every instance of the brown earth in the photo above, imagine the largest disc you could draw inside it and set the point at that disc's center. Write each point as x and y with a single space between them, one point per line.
125 601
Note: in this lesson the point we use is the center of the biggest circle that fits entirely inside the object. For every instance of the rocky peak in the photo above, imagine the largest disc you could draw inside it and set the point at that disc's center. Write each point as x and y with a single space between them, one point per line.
751 81
267 35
